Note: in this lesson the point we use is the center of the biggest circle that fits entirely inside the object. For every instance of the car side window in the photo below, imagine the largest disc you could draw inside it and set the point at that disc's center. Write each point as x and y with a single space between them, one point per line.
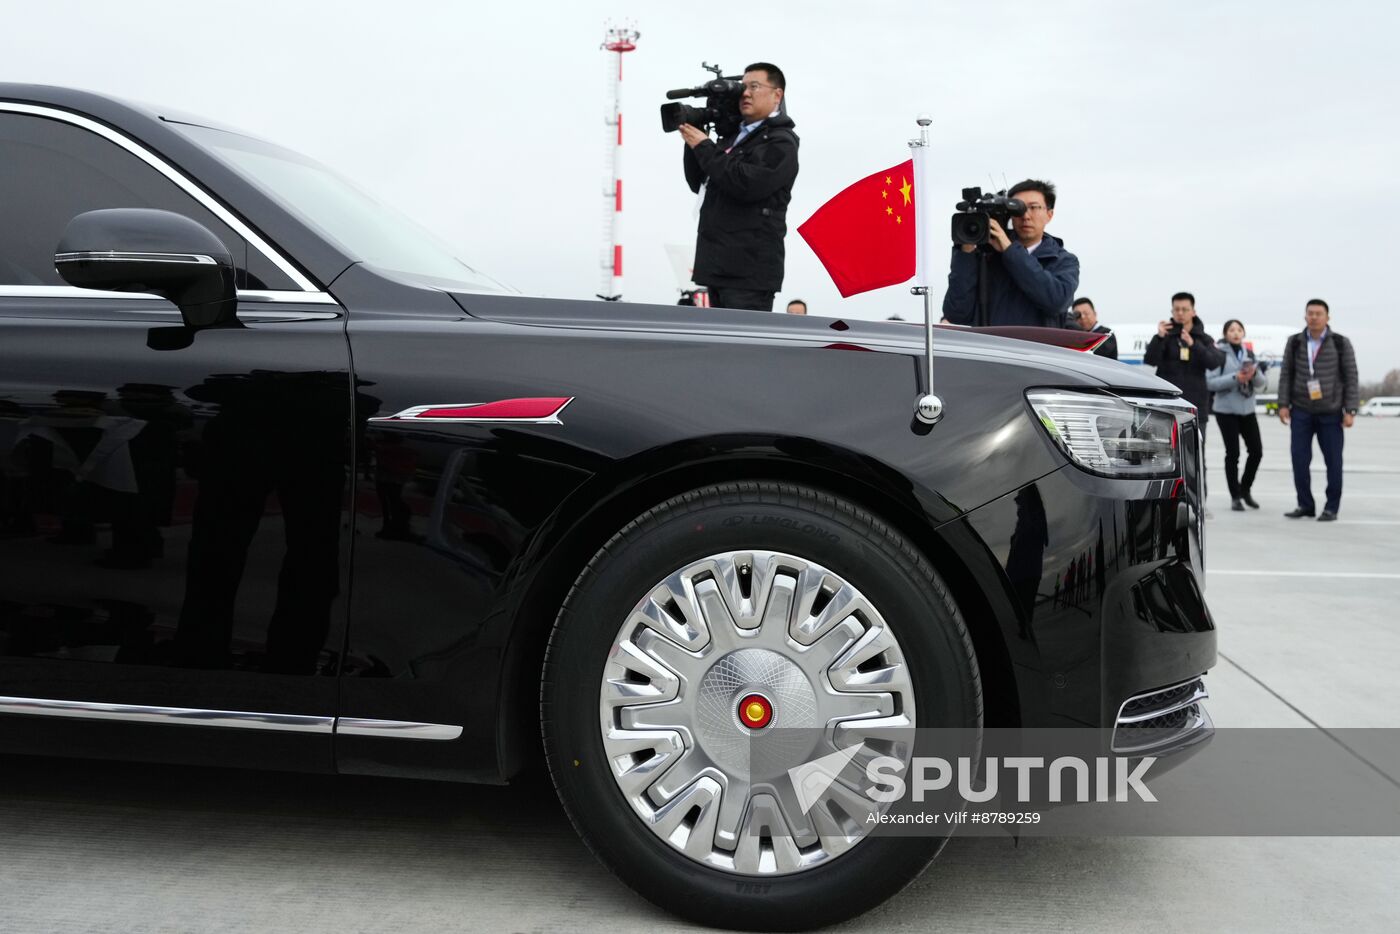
54 171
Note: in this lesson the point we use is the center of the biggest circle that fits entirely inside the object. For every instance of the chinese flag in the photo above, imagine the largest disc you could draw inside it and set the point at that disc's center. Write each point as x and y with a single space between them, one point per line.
865 235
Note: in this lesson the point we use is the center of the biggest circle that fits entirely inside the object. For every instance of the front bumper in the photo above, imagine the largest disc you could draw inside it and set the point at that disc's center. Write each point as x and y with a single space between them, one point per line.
1105 582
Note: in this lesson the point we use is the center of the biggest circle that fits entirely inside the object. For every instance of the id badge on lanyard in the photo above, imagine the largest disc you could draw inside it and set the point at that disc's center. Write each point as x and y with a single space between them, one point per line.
1314 384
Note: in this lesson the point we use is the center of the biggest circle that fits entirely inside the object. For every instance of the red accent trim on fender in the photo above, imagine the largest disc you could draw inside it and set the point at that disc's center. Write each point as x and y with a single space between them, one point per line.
506 408
543 410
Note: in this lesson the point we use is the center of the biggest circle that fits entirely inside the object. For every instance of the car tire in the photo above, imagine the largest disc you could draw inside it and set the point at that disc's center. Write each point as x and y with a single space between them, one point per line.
734 518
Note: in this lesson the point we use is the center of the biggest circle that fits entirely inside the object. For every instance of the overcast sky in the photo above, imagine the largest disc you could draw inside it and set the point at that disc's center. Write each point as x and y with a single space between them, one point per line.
1244 151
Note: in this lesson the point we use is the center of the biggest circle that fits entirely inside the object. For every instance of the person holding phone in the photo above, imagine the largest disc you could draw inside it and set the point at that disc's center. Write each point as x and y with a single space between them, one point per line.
1233 385
1183 353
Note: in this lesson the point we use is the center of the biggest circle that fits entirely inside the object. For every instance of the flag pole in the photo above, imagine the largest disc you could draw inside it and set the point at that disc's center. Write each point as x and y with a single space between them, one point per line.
929 408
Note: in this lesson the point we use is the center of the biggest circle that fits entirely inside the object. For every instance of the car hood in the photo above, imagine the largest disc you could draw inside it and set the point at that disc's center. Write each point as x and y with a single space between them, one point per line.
849 333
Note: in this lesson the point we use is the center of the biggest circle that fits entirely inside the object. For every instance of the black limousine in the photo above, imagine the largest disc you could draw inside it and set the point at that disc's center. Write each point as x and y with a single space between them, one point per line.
285 484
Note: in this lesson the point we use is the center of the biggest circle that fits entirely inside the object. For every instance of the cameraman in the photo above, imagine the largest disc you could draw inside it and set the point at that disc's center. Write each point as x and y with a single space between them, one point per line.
1029 282
748 183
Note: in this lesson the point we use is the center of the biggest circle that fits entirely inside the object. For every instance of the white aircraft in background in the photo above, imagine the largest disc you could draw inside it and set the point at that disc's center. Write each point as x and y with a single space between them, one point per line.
1267 341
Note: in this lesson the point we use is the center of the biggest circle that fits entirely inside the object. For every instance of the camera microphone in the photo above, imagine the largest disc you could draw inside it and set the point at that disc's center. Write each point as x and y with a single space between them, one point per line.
683 92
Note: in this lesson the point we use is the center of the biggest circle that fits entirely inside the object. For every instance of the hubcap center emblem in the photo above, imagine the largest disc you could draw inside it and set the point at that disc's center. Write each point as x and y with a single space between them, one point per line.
755 711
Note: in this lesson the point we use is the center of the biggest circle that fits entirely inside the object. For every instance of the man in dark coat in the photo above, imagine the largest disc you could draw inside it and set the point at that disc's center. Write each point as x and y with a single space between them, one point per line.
1029 281
1182 351
1318 394
748 183
1085 316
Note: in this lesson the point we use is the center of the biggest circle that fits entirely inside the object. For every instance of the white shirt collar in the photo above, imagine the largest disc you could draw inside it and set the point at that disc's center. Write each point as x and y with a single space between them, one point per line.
749 127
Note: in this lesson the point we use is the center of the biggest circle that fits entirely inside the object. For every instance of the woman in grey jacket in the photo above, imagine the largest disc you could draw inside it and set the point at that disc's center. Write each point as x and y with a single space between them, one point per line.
1234 384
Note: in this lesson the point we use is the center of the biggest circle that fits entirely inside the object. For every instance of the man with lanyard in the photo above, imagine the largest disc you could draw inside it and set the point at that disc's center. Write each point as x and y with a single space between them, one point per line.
1318 394
747 182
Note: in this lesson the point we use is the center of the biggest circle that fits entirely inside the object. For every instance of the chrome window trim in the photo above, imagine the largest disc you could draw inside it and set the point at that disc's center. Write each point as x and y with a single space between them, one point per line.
287 315
232 719
306 298
244 295
180 180
116 256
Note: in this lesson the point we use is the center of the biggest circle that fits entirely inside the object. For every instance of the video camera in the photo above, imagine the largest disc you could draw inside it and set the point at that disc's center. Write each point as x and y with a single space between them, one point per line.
721 109
977 212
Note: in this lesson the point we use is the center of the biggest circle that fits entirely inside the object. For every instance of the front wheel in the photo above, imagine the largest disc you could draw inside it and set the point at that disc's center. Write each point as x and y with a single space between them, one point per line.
715 644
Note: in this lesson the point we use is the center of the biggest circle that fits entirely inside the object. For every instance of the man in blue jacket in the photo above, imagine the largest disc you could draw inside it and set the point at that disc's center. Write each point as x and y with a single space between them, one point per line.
1029 282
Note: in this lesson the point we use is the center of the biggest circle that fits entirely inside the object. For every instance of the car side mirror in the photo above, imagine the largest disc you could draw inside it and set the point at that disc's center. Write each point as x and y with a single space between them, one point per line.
145 250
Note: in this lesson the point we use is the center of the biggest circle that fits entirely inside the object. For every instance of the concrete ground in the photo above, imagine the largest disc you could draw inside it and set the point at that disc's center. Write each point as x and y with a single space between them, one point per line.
1308 636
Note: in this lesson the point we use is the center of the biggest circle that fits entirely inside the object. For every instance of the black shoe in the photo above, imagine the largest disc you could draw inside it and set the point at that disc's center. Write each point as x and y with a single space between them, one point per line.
1300 513
1236 505
1327 516
1249 500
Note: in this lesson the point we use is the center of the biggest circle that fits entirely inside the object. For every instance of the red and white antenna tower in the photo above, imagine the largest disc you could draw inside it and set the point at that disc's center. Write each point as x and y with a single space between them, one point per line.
618 41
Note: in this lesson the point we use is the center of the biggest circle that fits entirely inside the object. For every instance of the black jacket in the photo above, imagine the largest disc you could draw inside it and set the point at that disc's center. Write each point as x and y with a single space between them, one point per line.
1334 367
739 242
1031 289
1188 375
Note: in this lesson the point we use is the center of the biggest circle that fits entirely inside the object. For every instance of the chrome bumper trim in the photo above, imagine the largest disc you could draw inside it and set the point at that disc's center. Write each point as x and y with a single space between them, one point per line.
1181 704
1198 693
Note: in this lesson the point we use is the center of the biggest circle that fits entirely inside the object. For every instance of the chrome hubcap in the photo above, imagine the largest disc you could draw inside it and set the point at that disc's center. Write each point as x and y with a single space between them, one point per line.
728 674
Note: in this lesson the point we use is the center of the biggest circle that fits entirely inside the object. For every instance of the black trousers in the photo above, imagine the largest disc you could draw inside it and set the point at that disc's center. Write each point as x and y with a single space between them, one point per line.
1232 428
1330 437
723 296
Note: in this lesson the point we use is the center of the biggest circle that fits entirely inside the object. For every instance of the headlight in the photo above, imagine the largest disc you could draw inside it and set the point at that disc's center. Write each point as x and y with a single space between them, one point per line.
1109 436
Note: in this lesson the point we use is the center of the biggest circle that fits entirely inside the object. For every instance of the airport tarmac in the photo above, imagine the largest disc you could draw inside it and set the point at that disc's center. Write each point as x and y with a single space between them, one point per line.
1309 637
